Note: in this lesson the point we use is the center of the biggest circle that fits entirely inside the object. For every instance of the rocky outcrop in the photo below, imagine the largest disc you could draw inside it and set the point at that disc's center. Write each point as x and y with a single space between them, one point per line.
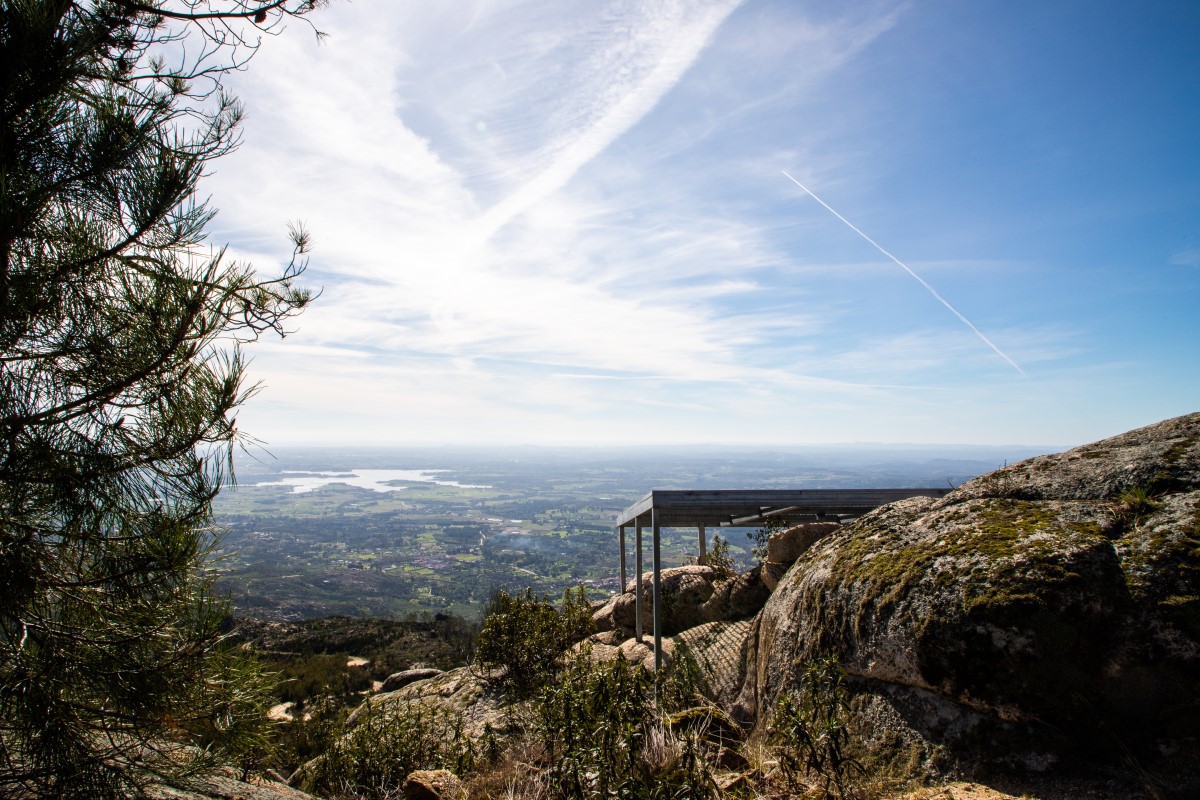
788 545
784 547
452 704
398 680
224 784
719 650
736 597
619 614
461 692
1058 599
434 784
691 595
1049 609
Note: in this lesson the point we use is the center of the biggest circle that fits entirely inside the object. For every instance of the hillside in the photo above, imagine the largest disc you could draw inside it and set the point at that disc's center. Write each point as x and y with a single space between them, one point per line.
1032 634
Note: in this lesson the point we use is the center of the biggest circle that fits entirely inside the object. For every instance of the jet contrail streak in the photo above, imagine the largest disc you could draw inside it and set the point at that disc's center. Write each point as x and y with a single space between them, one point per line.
918 278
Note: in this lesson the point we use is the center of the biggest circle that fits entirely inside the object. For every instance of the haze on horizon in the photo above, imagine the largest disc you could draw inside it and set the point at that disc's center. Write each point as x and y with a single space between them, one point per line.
567 223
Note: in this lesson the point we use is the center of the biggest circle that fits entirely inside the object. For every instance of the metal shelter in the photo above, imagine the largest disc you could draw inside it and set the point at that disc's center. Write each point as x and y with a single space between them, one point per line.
735 508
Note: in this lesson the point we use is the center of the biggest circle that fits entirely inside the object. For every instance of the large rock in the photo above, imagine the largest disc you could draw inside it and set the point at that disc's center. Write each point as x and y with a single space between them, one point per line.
788 545
398 680
434 784
684 591
784 547
737 597
224 784
691 595
461 692
467 699
772 573
619 614
719 650
1051 601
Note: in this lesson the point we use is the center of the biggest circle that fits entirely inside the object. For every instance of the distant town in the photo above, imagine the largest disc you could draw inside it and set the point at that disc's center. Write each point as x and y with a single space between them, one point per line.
378 533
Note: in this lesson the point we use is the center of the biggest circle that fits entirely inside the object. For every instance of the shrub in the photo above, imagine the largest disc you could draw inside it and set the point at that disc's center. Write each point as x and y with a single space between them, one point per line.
592 725
1138 502
372 761
718 557
760 537
811 729
525 636
615 730
303 679
315 726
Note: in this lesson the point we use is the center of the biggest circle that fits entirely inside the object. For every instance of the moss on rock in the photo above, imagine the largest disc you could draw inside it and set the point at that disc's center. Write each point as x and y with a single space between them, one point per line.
1060 595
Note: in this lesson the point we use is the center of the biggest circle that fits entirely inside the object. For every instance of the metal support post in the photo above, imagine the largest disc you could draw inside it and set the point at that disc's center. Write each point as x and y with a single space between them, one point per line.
703 559
637 565
657 592
622 584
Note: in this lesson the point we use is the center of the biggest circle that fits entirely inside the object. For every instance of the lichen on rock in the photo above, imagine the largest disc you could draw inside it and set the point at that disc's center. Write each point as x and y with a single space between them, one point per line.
1057 596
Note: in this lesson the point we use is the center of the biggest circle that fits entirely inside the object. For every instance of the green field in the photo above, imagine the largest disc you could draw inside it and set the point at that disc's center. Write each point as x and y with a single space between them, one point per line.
545 520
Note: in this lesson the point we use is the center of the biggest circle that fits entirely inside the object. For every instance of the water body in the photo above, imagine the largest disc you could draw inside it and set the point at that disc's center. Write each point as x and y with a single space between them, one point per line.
376 480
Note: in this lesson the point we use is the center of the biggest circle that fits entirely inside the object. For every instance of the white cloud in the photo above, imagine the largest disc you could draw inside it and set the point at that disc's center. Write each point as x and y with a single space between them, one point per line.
384 205
540 220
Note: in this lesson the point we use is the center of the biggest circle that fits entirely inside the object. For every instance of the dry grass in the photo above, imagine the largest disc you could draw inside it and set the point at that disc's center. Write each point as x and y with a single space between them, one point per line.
516 775
662 747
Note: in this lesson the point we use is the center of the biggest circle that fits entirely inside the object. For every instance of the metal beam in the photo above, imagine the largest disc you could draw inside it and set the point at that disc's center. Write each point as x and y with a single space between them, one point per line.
622 527
657 592
688 508
637 565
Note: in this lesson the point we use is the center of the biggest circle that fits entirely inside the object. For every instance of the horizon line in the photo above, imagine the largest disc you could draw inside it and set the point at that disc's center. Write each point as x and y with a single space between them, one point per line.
1048 447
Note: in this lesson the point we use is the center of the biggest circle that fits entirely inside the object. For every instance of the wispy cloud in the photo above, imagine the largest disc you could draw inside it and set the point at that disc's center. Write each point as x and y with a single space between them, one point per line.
1186 258
471 239
653 49
386 206
566 219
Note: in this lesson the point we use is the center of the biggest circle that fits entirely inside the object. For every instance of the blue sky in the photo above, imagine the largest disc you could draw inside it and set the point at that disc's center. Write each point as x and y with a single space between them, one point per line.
568 222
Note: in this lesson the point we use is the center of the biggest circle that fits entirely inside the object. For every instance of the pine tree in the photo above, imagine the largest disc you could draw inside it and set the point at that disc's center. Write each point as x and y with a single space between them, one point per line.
121 371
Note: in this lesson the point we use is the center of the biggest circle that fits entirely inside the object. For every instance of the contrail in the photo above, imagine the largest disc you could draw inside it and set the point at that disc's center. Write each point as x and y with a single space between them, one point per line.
919 279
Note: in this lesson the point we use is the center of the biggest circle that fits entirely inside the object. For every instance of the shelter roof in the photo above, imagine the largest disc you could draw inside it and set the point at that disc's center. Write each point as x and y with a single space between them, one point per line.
751 507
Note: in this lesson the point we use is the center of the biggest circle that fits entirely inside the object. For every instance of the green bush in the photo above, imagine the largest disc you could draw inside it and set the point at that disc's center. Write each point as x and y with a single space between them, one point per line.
718 557
614 730
306 678
811 729
592 724
372 761
524 637
1138 502
760 537
238 729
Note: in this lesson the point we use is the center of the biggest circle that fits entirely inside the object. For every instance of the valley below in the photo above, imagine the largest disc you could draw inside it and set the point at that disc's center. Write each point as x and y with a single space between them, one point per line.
389 533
